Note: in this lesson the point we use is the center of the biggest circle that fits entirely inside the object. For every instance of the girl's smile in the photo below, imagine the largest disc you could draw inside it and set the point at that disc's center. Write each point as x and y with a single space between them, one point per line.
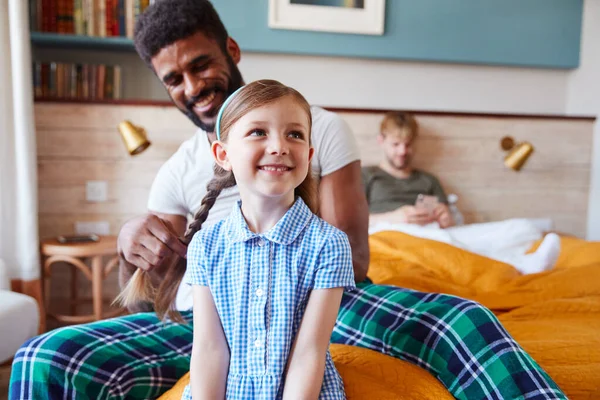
275 169
268 150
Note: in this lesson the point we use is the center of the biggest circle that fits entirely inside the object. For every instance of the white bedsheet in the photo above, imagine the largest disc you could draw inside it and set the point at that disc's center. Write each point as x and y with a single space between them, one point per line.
497 240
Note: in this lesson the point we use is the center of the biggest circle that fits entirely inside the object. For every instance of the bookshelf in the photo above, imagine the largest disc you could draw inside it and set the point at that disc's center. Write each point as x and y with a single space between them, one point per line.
83 50
80 42
119 102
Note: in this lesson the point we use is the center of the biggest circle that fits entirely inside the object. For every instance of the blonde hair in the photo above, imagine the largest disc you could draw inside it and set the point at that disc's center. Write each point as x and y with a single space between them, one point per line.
399 124
252 96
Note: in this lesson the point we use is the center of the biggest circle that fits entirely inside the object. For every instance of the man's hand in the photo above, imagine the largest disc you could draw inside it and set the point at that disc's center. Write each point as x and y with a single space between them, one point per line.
148 240
415 215
443 216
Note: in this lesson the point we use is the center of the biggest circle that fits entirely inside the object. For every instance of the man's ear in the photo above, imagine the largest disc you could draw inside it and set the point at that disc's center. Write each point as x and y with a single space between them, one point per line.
219 151
380 139
234 50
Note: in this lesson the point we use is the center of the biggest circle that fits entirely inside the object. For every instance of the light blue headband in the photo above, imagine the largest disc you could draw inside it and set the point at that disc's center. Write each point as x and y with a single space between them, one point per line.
220 114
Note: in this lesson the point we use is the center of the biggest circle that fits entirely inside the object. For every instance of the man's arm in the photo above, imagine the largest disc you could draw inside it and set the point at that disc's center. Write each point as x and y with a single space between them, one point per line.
149 242
405 214
437 190
342 203
365 175
442 212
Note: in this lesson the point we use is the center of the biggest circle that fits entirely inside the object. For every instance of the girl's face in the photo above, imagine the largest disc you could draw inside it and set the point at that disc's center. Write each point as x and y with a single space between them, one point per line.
268 150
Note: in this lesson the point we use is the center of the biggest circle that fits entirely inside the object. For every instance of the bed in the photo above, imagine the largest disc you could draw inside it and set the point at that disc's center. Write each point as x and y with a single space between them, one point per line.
555 315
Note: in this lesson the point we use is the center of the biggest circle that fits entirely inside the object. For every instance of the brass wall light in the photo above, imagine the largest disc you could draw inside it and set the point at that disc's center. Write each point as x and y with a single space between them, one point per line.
134 137
517 153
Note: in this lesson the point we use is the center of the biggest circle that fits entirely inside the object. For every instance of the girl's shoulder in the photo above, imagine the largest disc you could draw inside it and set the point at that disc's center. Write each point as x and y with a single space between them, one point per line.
331 258
321 231
209 234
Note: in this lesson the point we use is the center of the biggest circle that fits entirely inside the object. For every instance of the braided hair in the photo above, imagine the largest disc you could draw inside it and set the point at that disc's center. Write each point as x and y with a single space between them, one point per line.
254 95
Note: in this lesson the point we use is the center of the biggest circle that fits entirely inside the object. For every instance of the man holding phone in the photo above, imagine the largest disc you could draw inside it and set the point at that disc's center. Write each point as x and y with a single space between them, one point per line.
396 192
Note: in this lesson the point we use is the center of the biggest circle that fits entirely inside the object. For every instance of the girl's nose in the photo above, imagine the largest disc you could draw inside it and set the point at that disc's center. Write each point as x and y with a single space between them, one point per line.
277 145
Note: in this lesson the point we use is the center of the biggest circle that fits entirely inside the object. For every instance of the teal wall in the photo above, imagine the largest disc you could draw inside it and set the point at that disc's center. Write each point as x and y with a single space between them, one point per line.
533 33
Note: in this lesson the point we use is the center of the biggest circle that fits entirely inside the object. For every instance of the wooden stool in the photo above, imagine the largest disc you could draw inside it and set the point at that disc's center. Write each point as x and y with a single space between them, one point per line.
75 254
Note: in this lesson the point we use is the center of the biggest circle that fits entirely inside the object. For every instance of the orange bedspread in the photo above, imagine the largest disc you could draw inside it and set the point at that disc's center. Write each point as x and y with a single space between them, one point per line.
554 315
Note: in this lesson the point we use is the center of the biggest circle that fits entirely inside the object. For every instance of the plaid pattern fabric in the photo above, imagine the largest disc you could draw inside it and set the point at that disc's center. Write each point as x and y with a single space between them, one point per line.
260 285
134 357
457 340
138 357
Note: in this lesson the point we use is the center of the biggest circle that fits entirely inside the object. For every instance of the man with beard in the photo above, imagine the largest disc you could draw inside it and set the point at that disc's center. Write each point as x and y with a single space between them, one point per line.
139 357
393 187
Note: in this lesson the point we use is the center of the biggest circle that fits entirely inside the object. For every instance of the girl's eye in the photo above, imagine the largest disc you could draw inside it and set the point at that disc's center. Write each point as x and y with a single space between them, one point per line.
296 135
257 132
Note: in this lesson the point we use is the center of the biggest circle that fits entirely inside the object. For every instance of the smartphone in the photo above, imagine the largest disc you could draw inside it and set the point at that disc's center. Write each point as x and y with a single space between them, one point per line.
427 202
78 239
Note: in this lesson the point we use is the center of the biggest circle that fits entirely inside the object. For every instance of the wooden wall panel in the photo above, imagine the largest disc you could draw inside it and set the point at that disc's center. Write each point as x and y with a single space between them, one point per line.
79 142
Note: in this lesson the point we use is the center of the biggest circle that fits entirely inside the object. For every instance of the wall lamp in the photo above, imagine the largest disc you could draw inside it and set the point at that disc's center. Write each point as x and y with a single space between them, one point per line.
134 137
517 153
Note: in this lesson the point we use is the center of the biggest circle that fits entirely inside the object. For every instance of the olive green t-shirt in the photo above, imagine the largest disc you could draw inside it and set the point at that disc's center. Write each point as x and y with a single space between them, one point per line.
387 193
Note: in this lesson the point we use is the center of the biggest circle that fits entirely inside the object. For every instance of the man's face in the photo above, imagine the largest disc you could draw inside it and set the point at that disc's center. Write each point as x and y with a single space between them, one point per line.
398 150
199 76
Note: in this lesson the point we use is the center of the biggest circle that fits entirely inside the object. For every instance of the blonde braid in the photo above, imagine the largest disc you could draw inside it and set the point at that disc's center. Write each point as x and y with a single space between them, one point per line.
167 291
140 289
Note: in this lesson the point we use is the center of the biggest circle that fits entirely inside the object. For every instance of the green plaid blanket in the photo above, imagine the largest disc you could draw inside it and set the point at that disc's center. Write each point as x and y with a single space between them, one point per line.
138 357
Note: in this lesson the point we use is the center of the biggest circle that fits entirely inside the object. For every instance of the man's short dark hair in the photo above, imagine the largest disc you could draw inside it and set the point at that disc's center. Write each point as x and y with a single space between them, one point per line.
167 21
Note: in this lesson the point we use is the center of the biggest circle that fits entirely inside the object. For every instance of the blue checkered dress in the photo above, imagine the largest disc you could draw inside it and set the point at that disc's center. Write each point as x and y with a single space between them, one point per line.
261 284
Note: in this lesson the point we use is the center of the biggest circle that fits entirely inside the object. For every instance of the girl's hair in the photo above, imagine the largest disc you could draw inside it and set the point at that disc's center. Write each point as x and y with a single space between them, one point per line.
252 96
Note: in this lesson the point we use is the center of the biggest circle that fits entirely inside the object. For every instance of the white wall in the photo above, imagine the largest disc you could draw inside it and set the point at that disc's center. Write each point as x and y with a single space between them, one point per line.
583 97
360 83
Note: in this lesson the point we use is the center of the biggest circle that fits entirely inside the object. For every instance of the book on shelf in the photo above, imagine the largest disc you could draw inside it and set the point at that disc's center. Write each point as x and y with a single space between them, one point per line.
101 18
56 80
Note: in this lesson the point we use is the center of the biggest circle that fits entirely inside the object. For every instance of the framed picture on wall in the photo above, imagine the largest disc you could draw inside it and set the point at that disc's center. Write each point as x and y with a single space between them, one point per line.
365 17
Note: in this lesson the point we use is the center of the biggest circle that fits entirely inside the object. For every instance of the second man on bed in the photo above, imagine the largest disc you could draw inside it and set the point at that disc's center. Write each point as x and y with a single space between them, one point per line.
393 187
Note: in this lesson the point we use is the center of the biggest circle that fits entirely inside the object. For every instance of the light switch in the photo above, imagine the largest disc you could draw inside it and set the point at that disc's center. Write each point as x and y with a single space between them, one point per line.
96 191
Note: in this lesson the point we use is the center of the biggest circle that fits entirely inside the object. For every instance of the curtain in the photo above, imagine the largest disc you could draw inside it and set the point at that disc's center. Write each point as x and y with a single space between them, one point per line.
19 241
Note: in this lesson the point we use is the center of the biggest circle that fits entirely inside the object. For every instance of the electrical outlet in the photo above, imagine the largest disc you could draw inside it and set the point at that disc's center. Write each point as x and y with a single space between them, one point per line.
96 191
97 227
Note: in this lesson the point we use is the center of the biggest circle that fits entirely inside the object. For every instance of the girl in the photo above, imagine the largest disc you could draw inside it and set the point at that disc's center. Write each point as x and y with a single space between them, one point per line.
268 280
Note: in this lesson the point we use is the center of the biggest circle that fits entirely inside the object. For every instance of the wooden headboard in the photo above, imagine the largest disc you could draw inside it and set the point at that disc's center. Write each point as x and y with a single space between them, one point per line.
78 142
